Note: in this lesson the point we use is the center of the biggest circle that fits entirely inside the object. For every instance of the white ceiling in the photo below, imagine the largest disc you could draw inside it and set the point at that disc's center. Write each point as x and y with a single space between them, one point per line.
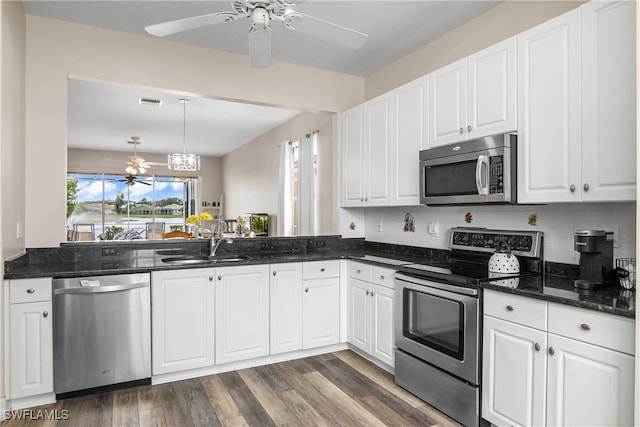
395 28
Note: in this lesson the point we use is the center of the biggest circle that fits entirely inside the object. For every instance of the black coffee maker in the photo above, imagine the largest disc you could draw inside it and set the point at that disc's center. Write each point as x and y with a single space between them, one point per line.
596 258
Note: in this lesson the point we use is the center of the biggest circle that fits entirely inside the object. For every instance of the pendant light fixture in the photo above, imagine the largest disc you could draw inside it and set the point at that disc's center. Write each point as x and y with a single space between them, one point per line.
183 161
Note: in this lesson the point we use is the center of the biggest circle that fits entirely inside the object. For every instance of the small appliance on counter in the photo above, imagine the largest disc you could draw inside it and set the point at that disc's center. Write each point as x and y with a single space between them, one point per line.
596 259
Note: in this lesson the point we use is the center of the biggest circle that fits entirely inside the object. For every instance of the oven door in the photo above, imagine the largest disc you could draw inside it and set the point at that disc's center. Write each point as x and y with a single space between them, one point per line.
440 324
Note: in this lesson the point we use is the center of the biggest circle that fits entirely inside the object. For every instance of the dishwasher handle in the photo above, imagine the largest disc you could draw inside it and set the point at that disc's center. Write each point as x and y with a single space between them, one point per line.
101 289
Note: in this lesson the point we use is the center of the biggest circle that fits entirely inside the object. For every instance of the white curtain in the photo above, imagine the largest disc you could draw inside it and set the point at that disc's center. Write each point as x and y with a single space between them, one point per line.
306 186
285 219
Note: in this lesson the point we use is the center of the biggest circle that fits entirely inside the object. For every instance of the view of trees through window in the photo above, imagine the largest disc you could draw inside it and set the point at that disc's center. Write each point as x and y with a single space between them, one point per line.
109 206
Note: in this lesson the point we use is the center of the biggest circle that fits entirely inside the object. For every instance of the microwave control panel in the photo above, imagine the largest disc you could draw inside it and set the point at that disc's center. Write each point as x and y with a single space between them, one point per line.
496 175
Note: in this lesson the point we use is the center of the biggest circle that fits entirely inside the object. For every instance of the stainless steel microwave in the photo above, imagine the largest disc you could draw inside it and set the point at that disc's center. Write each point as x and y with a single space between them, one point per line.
473 172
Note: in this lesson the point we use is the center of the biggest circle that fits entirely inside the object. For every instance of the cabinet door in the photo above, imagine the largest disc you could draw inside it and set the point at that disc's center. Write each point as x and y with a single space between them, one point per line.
360 314
447 105
382 336
242 313
549 111
31 349
513 373
321 312
182 304
588 385
353 142
410 103
285 294
379 137
491 90
608 101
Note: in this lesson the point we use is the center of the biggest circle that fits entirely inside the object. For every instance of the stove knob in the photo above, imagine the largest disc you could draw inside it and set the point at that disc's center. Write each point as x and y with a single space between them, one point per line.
511 242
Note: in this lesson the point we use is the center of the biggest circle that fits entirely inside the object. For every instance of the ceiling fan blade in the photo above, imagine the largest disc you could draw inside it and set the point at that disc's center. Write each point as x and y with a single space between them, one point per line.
330 32
180 25
260 47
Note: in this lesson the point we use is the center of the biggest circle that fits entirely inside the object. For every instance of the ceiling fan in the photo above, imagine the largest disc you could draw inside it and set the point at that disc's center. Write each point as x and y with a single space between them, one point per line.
137 165
261 13
130 180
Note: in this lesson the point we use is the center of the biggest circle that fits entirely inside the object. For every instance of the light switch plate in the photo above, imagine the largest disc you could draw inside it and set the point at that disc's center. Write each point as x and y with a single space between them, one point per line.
433 228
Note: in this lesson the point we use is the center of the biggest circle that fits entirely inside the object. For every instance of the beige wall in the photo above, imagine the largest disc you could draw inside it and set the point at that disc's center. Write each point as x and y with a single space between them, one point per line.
57 50
114 162
12 153
250 173
499 23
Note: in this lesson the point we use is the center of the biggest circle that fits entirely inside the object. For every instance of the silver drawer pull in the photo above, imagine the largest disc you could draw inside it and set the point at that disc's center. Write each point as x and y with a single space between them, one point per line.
30 291
585 327
306 289
509 308
358 271
322 269
537 346
381 277
45 314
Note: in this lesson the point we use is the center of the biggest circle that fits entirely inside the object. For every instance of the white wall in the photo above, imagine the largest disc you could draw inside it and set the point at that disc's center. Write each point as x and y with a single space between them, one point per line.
250 173
558 223
57 50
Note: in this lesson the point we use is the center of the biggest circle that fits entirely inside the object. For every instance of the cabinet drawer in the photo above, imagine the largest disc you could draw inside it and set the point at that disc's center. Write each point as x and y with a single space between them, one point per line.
360 271
514 308
320 269
603 329
383 277
30 290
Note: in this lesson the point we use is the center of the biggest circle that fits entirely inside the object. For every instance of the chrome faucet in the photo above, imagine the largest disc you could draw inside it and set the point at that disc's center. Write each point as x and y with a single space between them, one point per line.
215 245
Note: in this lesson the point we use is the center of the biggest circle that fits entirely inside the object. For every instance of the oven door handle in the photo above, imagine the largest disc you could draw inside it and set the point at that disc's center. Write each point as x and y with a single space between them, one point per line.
442 286
483 188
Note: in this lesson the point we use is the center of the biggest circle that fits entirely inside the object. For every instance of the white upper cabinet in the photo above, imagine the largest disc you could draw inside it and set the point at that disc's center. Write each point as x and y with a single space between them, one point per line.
608 101
577 113
475 96
549 110
410 103
367 161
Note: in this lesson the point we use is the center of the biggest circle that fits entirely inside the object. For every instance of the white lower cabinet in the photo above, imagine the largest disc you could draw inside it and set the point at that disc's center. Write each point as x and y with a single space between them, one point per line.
285 294
241 313
370 310
30 337
577 369
182 314
320 303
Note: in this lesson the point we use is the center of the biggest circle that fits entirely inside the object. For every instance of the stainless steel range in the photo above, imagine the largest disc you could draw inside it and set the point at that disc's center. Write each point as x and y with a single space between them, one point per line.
439 318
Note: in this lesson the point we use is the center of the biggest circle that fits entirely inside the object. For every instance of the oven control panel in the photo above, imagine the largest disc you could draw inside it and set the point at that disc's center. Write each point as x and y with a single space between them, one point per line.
485 240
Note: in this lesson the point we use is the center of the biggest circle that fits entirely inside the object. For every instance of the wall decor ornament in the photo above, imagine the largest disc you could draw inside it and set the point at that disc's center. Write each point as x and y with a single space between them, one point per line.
409 223
468 217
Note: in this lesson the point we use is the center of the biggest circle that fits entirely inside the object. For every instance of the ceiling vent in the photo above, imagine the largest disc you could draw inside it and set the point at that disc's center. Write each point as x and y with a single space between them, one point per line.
149 101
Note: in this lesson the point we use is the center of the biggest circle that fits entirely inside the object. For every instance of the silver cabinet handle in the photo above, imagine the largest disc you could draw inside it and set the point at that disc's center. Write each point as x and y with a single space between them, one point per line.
537 346
461 130
585 326
367 293
306 289
45 314
274 273
552 351
358 271
322 270
366 198
469 128
509 308
211 278
381 277
30 291
572 188
219 276
585 187
372 294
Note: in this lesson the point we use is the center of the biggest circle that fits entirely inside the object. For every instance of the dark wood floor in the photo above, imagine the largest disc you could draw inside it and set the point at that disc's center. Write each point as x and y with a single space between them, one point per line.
337 389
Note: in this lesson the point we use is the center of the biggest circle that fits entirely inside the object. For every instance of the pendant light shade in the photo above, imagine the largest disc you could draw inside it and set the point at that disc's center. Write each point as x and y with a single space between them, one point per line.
183 161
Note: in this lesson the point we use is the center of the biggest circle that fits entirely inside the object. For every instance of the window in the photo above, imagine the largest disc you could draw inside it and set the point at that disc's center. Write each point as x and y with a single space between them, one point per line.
116 203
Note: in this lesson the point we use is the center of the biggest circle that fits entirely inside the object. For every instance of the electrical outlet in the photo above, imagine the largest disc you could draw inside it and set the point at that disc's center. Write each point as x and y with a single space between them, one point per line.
616 234
433 228
19 230
110 251
379 228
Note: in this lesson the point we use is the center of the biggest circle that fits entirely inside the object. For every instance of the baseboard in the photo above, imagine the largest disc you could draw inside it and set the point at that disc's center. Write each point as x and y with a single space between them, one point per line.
29 402
372 359
244 364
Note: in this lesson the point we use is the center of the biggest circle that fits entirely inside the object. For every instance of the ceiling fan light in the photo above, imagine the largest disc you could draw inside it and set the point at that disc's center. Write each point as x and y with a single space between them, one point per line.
183 162
260 47
131 170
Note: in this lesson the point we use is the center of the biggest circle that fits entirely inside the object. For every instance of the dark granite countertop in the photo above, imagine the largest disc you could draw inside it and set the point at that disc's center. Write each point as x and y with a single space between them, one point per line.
98 258
611 299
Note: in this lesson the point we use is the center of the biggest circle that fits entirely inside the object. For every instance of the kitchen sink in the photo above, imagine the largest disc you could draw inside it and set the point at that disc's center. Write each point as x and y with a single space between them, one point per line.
205 259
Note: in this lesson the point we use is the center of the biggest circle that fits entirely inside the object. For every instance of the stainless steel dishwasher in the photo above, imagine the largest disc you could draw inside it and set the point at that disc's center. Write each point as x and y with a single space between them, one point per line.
102 333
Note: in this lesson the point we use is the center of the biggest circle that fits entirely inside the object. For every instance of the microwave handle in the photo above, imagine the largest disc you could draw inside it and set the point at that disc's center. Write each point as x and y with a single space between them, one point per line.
482 160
